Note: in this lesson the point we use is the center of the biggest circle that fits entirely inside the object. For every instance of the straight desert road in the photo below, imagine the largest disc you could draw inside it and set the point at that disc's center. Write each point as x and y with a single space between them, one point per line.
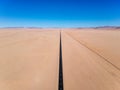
29 59
84 69
45 59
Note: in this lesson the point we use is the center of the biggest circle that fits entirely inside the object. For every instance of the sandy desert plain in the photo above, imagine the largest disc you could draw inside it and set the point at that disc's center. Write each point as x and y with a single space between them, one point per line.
29 59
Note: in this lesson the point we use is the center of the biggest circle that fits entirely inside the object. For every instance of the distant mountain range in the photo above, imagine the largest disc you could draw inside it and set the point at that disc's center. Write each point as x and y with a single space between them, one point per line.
99 27
108 27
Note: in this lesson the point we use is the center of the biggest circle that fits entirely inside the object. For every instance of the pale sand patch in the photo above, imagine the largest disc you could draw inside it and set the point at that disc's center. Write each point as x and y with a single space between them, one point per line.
104 42
85 70
29 59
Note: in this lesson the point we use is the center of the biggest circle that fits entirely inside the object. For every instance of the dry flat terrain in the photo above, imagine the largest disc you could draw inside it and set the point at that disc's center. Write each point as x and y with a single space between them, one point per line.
29 59
91 59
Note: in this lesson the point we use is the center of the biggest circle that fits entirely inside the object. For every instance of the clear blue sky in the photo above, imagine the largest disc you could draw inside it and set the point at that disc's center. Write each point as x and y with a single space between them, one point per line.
59 13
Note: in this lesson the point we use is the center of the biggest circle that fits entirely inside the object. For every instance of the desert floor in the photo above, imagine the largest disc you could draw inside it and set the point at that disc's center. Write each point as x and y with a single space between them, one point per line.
29 59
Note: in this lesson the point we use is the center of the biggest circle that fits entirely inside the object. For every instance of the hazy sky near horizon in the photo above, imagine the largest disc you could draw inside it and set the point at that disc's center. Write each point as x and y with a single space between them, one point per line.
59 13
